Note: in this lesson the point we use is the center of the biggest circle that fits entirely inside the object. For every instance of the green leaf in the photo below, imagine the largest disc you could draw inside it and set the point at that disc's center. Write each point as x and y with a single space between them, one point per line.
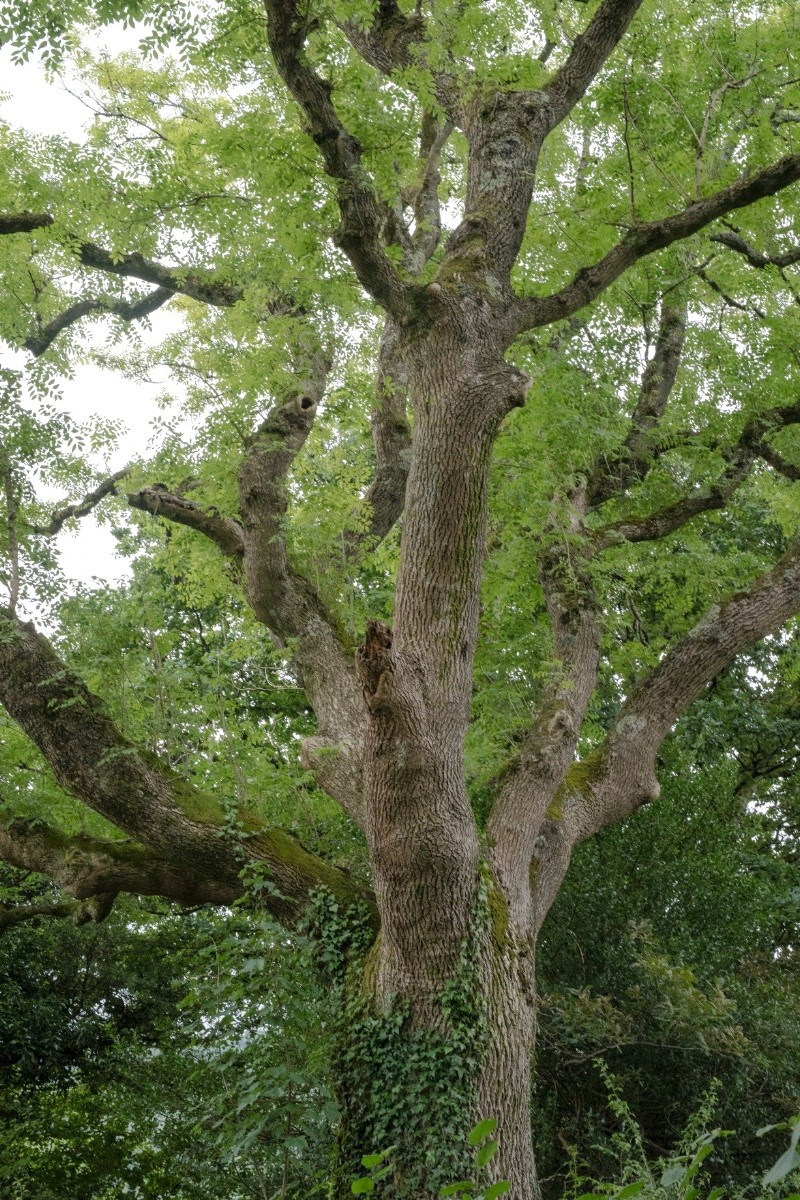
632 1189
486 1153
673 1175
497 1189
482 1130
360 1187
454 1189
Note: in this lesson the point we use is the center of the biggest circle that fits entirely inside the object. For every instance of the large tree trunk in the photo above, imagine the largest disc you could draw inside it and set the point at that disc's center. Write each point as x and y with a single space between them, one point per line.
417 1074
448 1016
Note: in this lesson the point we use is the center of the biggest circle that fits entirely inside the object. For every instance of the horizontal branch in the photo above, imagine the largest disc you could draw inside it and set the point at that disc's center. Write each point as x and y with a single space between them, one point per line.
10 917
61 515
84 308
198 286
203 286
644 239
24 222
187 829
86 866
157 500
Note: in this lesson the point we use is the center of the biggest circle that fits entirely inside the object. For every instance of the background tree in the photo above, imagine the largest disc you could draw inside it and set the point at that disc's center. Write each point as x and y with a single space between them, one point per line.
593 494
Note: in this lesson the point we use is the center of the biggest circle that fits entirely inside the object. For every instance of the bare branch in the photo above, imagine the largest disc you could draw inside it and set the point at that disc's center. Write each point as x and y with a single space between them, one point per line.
160 502
588 56
60 515
83 308
756 259
729 300
615 473
24 222
363 215
650 236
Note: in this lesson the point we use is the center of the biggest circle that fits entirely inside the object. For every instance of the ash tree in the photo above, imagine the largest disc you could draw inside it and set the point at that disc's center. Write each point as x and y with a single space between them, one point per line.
552 250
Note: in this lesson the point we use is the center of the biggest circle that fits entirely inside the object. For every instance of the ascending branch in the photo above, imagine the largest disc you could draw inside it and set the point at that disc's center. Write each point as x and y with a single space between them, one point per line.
650 236
615 472
628 755
589 54
288 605
363 215
60 515
530 785
190 831
391 436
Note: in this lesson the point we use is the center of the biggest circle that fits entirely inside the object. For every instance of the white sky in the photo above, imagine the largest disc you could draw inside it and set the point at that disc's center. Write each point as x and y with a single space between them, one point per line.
28 101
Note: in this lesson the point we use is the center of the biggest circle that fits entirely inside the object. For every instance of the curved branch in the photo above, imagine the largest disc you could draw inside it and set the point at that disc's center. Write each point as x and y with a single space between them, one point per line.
650 236
288 605
363 215
61 515
756 259
160 502
118 308
623 775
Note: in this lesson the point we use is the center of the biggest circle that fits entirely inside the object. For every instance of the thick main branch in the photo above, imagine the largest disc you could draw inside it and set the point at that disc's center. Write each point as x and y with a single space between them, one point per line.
187 828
